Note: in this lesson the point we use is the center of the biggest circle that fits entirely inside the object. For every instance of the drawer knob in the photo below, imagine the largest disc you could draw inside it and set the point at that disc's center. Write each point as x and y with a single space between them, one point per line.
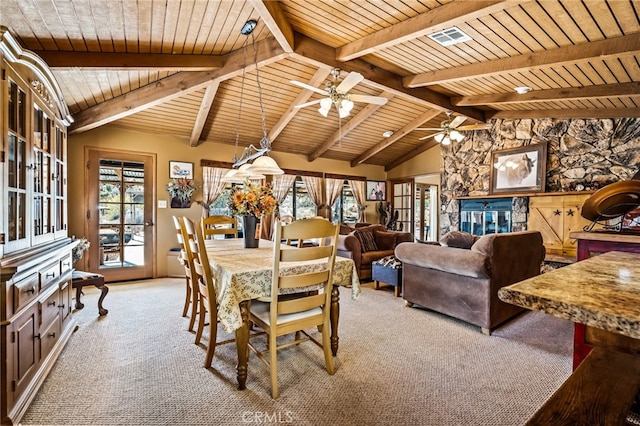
53 303
37 336
53 335
30 290
50 275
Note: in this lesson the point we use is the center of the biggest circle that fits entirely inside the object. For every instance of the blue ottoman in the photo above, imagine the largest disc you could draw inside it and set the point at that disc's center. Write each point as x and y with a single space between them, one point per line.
388 270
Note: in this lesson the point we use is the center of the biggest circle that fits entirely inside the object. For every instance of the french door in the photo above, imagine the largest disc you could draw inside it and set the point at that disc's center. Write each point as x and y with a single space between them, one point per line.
426 211
120 214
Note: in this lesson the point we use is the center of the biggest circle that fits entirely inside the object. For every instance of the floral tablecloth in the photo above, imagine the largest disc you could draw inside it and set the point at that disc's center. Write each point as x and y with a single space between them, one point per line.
244 274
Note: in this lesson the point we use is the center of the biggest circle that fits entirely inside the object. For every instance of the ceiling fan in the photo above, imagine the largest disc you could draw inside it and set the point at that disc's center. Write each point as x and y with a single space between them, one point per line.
336 94
449 129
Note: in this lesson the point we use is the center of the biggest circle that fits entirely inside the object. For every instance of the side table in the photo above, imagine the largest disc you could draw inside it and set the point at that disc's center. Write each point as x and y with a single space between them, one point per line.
388 270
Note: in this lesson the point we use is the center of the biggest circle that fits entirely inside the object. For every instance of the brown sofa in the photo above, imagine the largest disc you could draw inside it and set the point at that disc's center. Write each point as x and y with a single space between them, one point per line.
351 246
463 283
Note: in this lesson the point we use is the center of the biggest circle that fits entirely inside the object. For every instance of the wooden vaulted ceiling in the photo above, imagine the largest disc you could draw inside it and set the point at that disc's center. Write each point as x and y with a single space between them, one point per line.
182 66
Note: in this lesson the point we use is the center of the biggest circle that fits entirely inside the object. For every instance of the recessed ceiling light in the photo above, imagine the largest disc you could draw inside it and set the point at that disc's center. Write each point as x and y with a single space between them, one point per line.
387 134
522 90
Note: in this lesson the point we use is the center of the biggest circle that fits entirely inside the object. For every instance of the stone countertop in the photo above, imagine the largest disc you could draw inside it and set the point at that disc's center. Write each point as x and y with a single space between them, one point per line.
602 292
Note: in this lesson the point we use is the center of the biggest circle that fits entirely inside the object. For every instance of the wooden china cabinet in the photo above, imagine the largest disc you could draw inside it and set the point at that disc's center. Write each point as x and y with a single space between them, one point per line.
35 250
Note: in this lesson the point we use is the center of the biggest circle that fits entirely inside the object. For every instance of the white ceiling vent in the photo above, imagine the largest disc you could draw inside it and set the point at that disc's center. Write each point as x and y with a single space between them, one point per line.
449 36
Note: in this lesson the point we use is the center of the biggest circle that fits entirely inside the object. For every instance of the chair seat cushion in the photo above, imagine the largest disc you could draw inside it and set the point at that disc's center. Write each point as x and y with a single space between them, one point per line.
261 310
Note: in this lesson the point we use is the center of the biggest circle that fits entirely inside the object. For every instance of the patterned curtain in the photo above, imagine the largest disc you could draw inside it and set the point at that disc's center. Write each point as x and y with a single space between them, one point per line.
359 192
280 186
334 187
314 189
212 186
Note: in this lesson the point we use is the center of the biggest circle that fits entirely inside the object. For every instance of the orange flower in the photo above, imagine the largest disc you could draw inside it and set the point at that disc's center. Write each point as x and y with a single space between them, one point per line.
253 200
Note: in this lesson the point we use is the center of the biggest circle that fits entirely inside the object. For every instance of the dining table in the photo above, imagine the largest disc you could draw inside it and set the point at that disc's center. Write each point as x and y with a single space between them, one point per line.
244 274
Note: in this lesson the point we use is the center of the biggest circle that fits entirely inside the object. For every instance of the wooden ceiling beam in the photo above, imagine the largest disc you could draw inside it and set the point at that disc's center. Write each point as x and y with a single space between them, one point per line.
360 117
172 87
129 61
567 113
383 144
203 113
303 97
436 19
564 94
273 17
616 47
318 54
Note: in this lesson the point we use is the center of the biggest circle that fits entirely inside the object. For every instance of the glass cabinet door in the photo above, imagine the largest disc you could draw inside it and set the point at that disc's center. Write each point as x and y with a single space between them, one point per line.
16 199
42 171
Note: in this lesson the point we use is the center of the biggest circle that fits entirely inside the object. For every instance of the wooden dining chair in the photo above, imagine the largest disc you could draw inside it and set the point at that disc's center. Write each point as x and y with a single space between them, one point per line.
207 294
308 309
177 222
189 234
220 225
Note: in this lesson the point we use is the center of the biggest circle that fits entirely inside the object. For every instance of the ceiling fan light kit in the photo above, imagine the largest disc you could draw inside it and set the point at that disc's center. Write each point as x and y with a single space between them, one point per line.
336 94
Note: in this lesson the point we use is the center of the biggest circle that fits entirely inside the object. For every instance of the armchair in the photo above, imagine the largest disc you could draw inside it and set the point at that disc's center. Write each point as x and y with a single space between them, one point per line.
464 282
367 244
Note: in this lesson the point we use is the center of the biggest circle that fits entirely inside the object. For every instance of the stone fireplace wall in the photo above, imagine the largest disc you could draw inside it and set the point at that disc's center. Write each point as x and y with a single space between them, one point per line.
582 154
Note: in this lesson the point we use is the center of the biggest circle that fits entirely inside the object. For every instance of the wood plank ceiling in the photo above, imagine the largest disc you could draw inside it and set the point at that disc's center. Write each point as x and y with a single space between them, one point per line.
183 67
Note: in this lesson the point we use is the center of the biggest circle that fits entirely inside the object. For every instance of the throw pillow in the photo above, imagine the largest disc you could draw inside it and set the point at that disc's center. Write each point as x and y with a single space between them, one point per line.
458 239
367 242
385 240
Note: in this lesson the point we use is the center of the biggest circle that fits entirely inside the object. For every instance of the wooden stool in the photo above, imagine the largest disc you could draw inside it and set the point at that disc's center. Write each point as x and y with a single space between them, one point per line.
80 279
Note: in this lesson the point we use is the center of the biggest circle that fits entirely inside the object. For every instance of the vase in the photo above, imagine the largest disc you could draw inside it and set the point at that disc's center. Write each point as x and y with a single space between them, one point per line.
180 203
249 231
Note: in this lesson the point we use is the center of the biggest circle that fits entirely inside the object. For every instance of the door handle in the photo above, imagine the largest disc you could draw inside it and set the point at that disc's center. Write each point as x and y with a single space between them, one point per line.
148 223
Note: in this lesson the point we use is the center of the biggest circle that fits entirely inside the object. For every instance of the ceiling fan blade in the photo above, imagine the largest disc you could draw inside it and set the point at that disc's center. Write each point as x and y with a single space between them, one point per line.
479 126
457 121
428 136
308 87
349 81
378 100
317 101
428 128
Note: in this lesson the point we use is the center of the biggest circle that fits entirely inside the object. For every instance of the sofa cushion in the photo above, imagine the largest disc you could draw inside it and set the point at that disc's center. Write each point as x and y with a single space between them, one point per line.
345 229
485 244
458 239
385 240
367 240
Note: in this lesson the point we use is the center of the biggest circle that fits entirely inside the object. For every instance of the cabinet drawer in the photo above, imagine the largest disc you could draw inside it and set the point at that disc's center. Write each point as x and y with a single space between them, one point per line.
24 291
66 263
49 307
65 300
49 336
49 274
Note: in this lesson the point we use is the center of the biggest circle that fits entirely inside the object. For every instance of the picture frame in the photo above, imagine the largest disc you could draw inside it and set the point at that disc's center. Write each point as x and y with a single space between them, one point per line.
180 169
518 170
376 190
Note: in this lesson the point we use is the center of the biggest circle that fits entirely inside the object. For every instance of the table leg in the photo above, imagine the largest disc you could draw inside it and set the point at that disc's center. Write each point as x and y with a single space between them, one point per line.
103 293
79 304
242 341
334 313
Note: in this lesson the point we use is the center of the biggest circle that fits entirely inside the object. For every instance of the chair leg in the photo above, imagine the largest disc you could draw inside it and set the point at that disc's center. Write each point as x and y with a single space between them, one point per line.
187 299
213 337
194 307
273 365
326 348
200 322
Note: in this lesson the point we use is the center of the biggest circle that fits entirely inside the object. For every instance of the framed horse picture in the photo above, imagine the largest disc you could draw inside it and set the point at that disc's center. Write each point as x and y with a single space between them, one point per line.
518 170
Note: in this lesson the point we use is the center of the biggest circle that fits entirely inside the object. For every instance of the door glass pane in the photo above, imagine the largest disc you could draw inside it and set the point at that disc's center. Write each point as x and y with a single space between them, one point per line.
121 216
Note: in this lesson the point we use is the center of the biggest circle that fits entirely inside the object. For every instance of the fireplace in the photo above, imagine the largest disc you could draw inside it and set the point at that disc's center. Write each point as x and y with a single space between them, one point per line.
481 216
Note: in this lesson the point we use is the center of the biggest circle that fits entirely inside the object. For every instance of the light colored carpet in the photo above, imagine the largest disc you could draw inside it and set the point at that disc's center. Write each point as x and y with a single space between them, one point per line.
395 366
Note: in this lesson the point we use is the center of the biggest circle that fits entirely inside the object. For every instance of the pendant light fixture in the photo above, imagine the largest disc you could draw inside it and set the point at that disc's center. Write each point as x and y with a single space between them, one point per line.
262 164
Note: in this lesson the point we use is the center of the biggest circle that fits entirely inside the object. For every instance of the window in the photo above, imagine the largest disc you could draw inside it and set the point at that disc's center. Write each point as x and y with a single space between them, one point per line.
298 203
345 209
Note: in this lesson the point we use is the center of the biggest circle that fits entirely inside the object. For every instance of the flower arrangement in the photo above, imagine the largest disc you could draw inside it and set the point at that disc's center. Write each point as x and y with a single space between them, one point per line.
182 188
252 200
78 250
